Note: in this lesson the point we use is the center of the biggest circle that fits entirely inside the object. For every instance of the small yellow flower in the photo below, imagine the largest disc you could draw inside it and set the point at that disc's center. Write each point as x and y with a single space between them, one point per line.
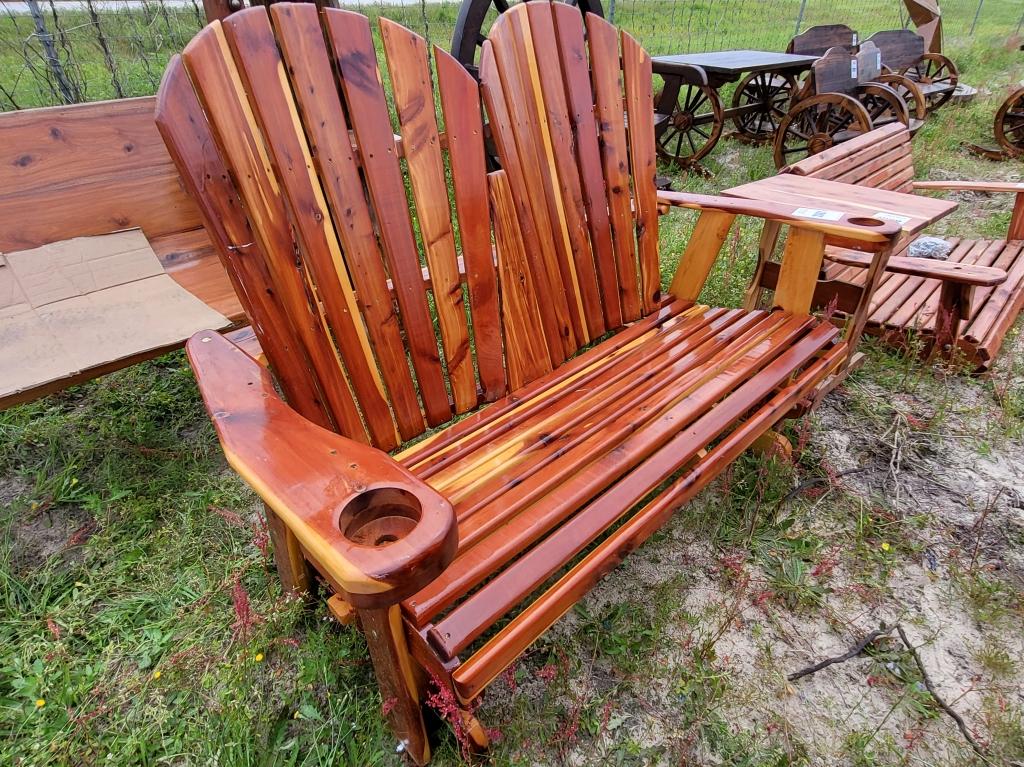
157 674
259 657
40 703
74 480
885 546
34 505
297 715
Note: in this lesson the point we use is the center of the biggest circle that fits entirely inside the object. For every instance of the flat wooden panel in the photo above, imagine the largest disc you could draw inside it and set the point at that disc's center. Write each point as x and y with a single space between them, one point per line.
636 68
547 75
504 139
219 87
460 103
572 50
525 354
607 78
414 101
300 36
252 41
352 45
516 67
801 262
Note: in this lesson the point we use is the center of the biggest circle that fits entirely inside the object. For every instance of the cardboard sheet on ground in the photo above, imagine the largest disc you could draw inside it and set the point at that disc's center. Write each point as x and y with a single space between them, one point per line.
79 304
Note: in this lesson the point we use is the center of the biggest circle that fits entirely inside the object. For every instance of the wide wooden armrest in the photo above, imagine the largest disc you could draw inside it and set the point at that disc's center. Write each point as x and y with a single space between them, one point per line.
372 527
965 274
851 227
970 186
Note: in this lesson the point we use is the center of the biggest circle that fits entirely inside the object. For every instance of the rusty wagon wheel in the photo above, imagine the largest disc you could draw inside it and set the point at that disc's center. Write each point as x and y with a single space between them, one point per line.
909 91
817 123
772 93
883 104
932 70
1009 125
475 18
694 125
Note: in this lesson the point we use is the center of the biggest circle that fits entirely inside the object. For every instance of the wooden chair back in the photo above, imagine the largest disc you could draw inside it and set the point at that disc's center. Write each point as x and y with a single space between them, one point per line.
901 48
815 41
280 126
869 62
836 72
880 159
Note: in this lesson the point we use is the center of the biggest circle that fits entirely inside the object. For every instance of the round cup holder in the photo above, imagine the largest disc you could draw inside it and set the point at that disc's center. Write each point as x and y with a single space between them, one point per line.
865 221
379 517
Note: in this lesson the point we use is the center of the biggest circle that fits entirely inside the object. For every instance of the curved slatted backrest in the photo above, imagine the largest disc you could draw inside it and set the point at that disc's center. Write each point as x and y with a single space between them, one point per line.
345 241
280 127
583 194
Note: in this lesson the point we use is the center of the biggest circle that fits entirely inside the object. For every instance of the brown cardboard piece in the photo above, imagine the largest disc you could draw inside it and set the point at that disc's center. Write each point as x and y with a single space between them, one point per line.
84 303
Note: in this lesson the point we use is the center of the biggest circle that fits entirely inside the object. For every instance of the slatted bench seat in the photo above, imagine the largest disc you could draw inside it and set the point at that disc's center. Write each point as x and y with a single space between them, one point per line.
907 302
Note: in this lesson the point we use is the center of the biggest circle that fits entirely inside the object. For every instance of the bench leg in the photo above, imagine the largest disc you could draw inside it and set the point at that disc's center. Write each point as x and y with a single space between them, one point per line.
295 573
765 249
397 677
954 306
772 444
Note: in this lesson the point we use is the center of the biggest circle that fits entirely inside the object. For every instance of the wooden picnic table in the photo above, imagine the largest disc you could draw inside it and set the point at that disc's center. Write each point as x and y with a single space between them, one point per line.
689 110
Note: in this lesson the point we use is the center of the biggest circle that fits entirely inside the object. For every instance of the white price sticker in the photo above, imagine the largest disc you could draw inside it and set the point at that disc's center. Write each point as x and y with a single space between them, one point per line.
818 213
887 216
853 69
878 59
854 38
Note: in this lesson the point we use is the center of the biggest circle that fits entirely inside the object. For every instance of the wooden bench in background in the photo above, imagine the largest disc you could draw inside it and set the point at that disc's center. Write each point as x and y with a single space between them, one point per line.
95 168
908 297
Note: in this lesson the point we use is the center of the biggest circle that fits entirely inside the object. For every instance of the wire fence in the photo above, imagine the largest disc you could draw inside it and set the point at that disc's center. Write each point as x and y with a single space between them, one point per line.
61 52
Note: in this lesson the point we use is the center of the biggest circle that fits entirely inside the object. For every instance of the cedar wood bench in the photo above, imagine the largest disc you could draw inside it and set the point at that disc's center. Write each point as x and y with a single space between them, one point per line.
593 405
917 295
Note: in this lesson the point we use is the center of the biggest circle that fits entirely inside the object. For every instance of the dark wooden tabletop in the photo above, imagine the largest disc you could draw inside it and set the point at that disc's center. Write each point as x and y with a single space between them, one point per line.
735 63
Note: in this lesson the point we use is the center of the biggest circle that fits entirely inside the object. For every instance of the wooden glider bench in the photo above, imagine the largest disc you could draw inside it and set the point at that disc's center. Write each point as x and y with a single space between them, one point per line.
95 168
974 296
591 405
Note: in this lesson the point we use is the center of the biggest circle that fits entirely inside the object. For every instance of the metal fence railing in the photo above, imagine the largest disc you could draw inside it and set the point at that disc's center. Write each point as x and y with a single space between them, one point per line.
67 51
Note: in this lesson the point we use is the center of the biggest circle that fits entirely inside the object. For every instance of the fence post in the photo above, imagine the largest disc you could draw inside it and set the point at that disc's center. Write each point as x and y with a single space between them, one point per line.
67 89
611 12
800 17
977 13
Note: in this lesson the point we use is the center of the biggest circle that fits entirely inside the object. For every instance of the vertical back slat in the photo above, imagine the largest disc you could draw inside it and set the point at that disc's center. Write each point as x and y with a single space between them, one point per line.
576 70
350 40
551 250
501 130
252 40
636 69
460 104
406 54
524 345
309 66
211 67
606 73
562 163
186 132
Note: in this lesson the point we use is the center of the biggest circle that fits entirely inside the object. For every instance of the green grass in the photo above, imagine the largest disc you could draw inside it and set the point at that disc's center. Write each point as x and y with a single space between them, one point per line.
139 603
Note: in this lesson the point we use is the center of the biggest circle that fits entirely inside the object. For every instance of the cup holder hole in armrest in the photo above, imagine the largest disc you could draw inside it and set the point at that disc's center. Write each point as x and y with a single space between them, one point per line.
865 221
380 517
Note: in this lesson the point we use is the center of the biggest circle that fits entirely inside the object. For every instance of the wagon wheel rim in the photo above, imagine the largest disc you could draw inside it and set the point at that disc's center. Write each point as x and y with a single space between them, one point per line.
936 70
883 105
1009 123
693 128
817 123
473 21
911 94
774 91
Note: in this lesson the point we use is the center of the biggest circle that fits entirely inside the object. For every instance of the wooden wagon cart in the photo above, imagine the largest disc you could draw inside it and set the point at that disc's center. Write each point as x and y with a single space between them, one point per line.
840 100
456 552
